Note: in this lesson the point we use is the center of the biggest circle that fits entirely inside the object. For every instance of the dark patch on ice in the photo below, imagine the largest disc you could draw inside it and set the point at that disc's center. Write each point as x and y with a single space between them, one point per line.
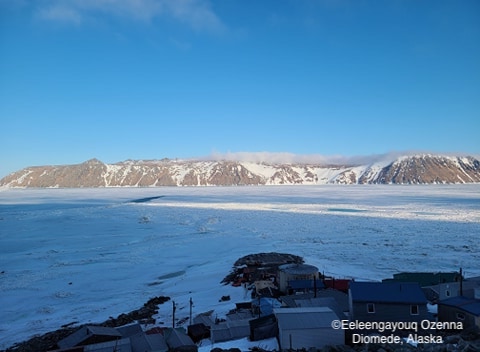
224 299
346 210
197 265
424 213
144 200
155 283
172 275
160 279
144 220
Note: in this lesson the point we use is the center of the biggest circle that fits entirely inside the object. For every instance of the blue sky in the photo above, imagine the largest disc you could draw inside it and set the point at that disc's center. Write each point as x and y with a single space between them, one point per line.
148 79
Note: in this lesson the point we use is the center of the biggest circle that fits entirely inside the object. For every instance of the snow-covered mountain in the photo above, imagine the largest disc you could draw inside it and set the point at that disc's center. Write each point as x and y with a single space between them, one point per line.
414 169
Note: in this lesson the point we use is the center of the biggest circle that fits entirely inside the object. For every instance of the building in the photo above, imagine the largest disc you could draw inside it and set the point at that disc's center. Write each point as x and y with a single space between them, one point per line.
128 338
305 328
328 302
333 299
387 301
263 328
230 330
337 284
263 306
460 309
88 335
235 326
298 277
178 340
198 332
265 288
426 278
442 291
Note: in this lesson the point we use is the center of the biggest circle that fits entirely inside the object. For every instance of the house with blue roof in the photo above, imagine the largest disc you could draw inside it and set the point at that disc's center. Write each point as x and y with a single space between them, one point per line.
387 301
460 309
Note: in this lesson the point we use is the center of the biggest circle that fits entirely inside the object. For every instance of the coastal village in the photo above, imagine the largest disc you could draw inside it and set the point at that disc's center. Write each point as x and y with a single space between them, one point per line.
299 308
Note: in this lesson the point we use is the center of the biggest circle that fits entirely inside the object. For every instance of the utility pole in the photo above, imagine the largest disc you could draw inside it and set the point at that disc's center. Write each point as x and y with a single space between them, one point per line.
191 305
173 315
461 282
259 309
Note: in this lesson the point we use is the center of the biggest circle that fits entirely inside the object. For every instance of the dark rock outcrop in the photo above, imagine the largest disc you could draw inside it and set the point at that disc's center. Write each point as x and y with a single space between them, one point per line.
48 341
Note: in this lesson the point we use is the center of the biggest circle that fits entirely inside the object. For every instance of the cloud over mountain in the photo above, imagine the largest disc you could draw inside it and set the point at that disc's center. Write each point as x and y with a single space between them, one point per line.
292 158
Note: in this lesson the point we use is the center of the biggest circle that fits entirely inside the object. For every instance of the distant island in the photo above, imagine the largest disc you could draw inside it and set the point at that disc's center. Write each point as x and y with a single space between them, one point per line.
413 169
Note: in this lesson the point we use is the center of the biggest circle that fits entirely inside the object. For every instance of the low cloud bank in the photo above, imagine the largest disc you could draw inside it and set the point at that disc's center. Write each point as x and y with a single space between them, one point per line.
291 158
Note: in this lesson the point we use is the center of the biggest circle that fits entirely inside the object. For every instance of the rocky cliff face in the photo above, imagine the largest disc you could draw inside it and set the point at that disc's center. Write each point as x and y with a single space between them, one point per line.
418 169
431 170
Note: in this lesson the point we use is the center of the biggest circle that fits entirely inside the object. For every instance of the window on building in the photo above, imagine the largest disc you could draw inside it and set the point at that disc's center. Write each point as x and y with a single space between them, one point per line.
370 308
414 309
460 316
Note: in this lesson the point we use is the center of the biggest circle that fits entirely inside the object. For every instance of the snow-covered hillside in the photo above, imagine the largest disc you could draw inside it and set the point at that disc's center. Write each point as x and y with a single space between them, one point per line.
416 169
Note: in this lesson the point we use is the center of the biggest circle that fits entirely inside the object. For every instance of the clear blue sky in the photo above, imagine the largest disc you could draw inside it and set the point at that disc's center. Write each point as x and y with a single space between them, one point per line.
147 79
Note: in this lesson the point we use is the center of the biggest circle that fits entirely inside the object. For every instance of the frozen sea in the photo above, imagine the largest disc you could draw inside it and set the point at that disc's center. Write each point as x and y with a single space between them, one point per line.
83 255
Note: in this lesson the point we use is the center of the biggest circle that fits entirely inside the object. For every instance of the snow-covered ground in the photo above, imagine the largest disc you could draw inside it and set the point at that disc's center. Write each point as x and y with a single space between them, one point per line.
83 255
